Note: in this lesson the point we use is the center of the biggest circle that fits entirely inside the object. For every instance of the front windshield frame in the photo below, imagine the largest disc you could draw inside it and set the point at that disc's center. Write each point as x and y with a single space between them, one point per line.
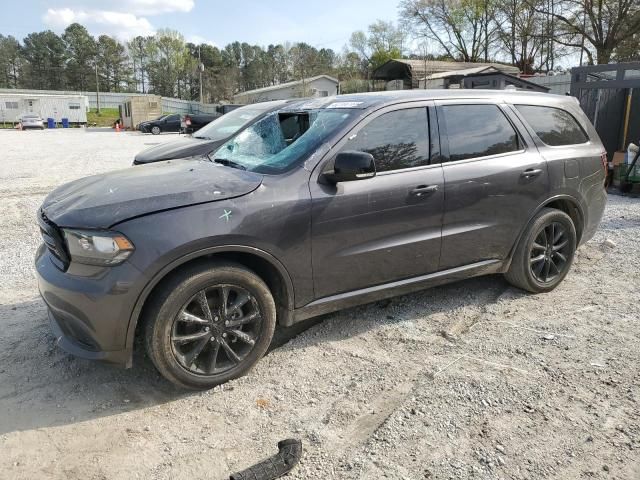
257 113
293 154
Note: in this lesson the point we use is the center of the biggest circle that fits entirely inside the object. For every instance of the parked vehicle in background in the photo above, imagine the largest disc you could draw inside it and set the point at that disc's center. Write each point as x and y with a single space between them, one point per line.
31 120
317 206
210 137
163 124
229 107
190 122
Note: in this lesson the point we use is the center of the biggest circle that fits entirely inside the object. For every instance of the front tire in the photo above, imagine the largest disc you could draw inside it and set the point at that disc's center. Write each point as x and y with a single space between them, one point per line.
545 252
209 324
155 130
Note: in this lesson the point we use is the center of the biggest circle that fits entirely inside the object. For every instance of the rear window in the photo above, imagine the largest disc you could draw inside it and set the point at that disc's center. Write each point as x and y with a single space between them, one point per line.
478 131
555 127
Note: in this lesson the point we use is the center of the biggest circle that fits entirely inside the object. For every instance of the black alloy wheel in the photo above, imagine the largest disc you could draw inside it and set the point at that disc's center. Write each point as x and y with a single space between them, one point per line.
216 329
544 252
209 323
549 253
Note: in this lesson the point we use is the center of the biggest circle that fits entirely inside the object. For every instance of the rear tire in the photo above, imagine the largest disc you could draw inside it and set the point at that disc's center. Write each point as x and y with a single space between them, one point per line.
209 324
545 252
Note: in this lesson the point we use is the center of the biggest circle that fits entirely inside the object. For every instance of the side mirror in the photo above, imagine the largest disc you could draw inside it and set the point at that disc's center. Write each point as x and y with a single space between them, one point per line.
352 165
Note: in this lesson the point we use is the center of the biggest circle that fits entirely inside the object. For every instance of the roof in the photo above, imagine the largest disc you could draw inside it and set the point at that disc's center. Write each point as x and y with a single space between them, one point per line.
363 101
39 95
286 85
463 72
398 67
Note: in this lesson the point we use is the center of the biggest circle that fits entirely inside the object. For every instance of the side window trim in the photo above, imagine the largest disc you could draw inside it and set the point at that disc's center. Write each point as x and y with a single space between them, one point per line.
444 137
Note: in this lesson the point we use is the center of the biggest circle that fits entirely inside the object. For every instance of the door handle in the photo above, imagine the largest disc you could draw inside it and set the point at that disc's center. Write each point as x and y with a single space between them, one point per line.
423 190
531 172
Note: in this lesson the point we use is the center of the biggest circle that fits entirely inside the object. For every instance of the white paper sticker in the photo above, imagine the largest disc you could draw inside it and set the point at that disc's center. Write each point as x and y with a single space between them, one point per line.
344 104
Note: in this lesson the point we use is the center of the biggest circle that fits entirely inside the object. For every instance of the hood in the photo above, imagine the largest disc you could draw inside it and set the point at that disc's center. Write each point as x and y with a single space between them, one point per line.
101 201
182 148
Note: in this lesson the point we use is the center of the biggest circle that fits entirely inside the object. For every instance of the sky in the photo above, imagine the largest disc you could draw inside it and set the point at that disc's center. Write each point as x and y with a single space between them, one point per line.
327 23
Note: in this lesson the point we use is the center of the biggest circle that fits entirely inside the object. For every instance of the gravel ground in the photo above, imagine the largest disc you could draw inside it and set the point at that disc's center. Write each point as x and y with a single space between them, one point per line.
471 380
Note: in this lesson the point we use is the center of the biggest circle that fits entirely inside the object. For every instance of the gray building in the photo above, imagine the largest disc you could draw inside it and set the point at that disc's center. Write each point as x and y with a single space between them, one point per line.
318 86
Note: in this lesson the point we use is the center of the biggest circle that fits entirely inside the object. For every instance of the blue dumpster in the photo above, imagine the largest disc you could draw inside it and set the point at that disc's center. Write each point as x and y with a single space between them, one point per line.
51 123
65 123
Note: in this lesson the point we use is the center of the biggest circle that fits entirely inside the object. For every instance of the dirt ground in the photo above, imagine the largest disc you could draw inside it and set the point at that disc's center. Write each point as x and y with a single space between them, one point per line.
471 380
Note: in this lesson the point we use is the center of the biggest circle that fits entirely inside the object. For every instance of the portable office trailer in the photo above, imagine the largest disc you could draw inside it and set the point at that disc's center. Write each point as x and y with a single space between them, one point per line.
140 109
73 107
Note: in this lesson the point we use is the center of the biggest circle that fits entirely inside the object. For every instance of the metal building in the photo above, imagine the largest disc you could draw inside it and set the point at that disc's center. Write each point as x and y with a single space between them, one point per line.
318 86
72 107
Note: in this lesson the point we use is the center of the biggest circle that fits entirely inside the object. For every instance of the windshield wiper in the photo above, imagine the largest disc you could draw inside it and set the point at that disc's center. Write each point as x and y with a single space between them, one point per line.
202 138
229 163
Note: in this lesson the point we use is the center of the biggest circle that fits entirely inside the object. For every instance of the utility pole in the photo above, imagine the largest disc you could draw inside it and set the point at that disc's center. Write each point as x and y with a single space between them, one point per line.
200 69
97 89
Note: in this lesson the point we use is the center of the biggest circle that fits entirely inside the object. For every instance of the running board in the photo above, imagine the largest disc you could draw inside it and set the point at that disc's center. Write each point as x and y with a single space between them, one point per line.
393 289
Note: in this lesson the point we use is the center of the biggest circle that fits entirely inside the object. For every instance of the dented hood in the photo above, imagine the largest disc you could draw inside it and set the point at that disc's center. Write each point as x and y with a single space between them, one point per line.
101 201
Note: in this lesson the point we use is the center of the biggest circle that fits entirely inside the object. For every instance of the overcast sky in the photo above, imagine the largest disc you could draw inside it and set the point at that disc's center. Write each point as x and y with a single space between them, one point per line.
326 23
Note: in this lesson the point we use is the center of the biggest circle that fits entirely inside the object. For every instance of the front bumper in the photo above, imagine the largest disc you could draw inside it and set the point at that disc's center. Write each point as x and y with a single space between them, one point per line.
90 307
70 344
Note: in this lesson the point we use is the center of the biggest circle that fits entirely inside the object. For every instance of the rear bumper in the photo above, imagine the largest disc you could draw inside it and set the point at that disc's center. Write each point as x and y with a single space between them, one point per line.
597 202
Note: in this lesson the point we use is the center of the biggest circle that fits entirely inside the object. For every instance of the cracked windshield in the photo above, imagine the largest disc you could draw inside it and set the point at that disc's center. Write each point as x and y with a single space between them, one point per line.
278 141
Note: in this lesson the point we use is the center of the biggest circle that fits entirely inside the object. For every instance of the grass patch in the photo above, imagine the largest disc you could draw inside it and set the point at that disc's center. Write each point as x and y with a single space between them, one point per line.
105 118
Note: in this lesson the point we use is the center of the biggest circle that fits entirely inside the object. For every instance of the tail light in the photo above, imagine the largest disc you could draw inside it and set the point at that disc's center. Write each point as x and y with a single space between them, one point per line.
605 163
187 120
605 167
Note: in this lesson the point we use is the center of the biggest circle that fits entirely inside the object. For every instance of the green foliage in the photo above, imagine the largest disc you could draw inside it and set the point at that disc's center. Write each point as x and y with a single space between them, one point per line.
106 117
81 49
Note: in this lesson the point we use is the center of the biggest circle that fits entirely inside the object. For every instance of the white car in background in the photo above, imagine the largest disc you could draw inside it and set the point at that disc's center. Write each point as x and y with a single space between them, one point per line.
31 120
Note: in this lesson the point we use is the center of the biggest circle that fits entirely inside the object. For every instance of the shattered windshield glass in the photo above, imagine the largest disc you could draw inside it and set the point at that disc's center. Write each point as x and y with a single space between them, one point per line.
275 143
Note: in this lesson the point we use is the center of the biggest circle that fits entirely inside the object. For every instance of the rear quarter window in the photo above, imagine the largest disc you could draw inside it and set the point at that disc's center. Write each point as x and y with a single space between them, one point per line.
554 126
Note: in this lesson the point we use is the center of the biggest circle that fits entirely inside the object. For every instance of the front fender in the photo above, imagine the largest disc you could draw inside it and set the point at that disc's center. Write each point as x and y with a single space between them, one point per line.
176 263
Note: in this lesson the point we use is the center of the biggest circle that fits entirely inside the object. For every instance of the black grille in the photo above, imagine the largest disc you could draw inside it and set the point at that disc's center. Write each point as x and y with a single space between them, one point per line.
52 237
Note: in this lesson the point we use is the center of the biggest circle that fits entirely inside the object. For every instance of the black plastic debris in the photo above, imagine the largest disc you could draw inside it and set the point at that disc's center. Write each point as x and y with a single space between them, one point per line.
288 456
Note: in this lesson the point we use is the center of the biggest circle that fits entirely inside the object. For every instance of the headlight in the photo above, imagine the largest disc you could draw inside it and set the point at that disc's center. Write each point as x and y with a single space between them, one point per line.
97 247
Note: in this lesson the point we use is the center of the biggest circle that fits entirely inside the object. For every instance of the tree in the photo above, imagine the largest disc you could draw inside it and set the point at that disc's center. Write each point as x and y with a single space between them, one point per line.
521 34
595 26
138 50
113 65
10 62
81 50
383 42
628 50
45 55
167 53
464 29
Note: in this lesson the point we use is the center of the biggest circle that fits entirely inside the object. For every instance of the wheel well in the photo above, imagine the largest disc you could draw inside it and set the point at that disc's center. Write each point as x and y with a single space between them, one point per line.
571 209
260 266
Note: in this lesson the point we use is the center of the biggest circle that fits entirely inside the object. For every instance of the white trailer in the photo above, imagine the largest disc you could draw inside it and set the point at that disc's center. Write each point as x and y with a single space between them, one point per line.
72 107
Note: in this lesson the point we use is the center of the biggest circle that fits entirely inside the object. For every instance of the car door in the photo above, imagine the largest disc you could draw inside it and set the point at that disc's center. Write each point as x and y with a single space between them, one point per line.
388 227
494 180
171 124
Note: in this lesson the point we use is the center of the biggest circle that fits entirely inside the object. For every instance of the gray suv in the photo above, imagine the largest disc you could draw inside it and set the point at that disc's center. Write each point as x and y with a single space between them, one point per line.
318 206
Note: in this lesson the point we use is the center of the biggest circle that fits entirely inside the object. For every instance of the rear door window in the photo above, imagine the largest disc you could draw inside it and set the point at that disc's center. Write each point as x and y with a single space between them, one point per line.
554 126
397 139
478 131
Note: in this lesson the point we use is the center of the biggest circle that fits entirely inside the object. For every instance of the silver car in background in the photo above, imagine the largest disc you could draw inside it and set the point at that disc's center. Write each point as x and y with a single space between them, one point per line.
31 120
